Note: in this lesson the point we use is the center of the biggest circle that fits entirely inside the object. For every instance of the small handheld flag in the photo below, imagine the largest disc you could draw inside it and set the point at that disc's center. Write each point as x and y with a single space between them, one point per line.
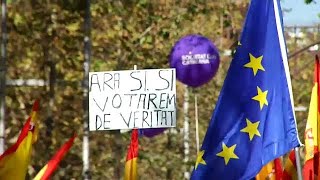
52 165
311 169
15 160
271 171
132 155
290 167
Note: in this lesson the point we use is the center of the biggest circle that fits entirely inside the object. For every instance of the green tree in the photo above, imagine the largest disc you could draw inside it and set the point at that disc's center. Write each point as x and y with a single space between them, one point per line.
309 1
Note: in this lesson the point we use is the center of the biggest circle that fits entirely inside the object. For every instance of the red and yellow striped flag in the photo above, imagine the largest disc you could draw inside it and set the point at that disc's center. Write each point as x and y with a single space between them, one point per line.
52 165
15 160
132 155
290 167
271 171
311 167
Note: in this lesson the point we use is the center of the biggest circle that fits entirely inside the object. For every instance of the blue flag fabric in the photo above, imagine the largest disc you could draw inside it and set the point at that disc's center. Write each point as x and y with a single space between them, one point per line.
253 122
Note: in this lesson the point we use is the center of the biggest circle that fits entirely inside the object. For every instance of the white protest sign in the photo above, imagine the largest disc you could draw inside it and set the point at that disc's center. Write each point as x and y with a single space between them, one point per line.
132 99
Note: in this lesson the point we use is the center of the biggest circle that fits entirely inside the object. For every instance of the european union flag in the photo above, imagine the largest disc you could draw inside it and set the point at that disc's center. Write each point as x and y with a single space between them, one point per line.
253 122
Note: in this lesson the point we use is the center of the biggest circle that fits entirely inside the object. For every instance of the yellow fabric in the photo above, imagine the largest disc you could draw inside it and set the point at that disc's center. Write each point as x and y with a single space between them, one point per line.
34 115
14 166
131 170
311 134
41 172
267 172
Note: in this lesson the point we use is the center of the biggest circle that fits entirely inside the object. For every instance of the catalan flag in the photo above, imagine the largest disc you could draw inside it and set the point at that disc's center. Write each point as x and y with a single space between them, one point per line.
15 160
271 171
132 155
52 165
253 122
290 167
311 168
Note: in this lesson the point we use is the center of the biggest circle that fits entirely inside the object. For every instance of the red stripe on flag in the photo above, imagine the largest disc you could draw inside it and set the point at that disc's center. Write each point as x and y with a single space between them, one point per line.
278 168
35 106
308 170
22 136
133 148
292 158
55 160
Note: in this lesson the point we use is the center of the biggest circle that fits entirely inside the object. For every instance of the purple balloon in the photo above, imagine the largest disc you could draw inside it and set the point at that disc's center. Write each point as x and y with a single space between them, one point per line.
151 132
196 60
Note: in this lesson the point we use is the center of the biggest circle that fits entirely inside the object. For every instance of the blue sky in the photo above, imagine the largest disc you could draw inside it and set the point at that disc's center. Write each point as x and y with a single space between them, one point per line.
301 14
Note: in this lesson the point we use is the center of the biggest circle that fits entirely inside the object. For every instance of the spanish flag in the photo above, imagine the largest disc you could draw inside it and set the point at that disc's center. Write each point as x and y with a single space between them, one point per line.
132 155
290 167
52 165
15 160
311 167
271 171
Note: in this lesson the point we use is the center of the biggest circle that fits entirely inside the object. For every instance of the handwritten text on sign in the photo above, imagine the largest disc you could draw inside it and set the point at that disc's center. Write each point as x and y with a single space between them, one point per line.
132 99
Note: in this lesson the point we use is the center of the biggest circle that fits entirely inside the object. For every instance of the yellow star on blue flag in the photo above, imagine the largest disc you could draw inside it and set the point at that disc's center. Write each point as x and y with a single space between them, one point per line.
255 64
227 153
200 159
251 129
253 122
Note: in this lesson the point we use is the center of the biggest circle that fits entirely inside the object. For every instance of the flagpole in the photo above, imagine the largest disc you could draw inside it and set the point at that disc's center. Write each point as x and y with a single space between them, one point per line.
86 68
186 132
3 72
286 68
296 152
197 119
